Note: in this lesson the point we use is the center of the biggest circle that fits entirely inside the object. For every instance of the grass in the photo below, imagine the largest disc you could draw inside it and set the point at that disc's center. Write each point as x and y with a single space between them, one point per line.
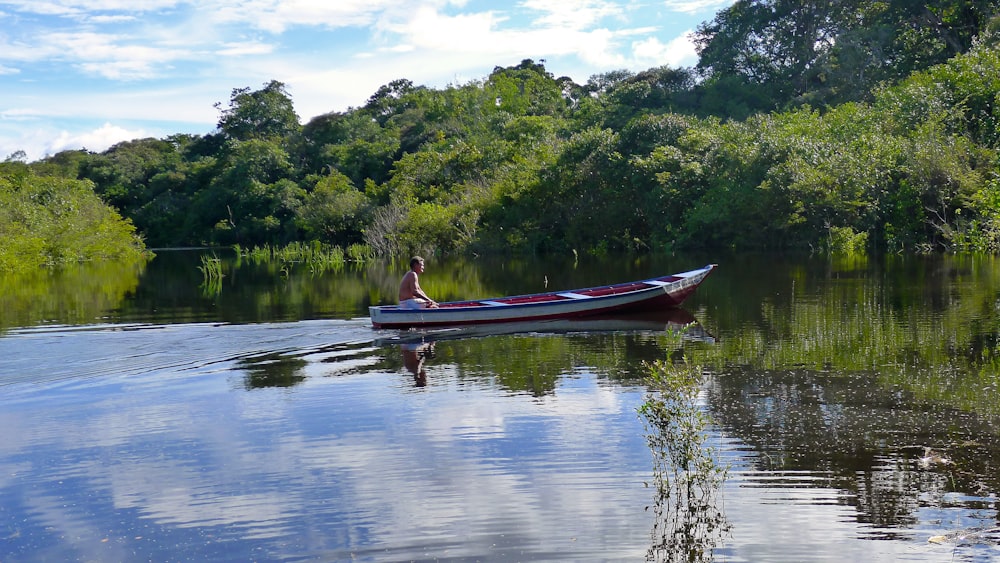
318 257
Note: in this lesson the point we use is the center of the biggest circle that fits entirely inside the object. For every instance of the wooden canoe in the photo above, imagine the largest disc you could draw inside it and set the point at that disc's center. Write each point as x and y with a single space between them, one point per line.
655 293
658 321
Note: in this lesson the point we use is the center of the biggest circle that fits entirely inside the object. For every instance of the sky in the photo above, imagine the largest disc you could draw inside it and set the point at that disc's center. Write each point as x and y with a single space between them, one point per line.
91 73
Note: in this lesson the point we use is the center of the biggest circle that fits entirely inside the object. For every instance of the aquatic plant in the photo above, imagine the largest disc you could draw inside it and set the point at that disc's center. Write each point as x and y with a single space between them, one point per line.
318 257
688 522
212 274
360 252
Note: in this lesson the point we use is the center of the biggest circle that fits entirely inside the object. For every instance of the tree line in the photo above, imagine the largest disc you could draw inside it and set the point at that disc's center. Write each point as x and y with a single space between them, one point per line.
850 125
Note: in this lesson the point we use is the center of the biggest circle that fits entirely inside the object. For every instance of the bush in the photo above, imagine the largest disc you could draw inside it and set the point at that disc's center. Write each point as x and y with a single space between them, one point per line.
48 221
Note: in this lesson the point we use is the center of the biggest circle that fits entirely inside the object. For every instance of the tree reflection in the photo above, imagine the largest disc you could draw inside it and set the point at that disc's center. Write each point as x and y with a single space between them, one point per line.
272 370
688 522
894 455
72 294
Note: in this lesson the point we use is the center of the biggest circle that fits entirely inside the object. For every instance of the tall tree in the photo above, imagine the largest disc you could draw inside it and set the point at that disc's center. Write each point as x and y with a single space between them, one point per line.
262 114
773 52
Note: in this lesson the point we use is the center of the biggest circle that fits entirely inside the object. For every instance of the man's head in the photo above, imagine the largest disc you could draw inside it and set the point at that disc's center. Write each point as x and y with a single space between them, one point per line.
416 260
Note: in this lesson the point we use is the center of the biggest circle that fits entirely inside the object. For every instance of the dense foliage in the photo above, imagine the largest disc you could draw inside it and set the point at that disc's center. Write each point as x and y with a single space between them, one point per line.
48 220
761 55
814 125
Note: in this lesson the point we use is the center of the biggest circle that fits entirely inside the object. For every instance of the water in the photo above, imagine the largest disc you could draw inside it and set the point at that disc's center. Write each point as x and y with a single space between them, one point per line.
274 424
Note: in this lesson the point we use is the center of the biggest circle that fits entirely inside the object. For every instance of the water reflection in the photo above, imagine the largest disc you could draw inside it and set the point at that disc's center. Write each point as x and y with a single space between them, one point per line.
272 370
688 521
855 405
902 463
75 294
547 351
414 355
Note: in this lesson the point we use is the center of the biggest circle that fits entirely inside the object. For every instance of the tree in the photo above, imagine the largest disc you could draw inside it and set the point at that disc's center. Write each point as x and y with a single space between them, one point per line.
334 211
770 53
657 90
525 89
353 143
122 172
391 99
251 198
48 220
263 114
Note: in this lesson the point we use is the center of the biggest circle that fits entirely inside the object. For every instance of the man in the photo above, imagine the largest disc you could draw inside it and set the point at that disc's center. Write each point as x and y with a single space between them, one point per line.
410 294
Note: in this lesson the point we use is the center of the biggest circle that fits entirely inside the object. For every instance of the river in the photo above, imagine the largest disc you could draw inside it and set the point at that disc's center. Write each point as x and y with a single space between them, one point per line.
149 415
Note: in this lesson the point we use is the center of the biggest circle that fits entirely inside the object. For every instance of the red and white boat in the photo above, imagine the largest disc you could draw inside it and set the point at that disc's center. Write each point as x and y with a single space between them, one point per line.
655 293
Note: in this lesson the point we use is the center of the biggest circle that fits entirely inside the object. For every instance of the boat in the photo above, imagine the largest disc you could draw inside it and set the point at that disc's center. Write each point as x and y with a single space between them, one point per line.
655 293
658 321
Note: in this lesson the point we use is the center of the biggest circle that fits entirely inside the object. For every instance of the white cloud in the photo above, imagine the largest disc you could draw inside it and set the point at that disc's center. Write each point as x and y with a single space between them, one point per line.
41 8
240 49
572 14
119 70
276 16
697 6
650 52
429 29
97 140
488 38
110 19
76 7
18 114
112 56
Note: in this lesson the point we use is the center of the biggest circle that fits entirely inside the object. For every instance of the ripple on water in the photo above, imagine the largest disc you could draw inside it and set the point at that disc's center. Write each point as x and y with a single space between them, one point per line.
80 356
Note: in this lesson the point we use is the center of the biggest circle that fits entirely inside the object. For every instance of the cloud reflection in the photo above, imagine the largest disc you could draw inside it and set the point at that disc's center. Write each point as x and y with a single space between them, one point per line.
333 463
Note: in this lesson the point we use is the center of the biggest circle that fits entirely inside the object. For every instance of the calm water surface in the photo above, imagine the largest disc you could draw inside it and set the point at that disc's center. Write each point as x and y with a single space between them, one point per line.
150 417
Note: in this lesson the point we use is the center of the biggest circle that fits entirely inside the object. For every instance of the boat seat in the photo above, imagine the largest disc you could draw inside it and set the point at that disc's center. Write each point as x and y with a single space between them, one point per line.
494 303
572 295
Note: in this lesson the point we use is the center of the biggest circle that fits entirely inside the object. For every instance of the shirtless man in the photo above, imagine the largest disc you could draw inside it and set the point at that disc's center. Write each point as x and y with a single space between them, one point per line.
410 294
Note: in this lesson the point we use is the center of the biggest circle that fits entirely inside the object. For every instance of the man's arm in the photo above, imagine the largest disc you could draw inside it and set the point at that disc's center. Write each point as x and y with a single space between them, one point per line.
420 292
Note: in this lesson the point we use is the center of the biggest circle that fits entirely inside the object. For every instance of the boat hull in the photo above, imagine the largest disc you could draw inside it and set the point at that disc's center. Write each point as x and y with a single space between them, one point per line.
672 319
655 293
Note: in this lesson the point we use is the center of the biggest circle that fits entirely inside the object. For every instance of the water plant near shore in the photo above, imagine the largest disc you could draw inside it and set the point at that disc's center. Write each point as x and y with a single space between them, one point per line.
318 257
688 521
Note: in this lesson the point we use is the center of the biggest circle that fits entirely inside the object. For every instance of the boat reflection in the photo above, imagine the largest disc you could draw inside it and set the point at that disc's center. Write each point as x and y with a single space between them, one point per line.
417 346
676 321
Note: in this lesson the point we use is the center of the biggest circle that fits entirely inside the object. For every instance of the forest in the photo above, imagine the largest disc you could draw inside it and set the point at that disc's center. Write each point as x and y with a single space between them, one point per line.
850 126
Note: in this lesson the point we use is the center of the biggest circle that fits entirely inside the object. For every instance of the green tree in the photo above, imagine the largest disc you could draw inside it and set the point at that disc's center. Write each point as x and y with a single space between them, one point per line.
47 221
265 114
352 143
251 198
122 173
392 99
525 89
334 211
768 53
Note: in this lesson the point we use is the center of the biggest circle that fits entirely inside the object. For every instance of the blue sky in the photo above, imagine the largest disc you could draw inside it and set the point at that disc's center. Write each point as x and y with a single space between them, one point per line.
90 73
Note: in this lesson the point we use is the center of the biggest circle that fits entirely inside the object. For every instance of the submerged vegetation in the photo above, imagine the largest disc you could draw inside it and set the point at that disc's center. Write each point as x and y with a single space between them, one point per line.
687 478
318 257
